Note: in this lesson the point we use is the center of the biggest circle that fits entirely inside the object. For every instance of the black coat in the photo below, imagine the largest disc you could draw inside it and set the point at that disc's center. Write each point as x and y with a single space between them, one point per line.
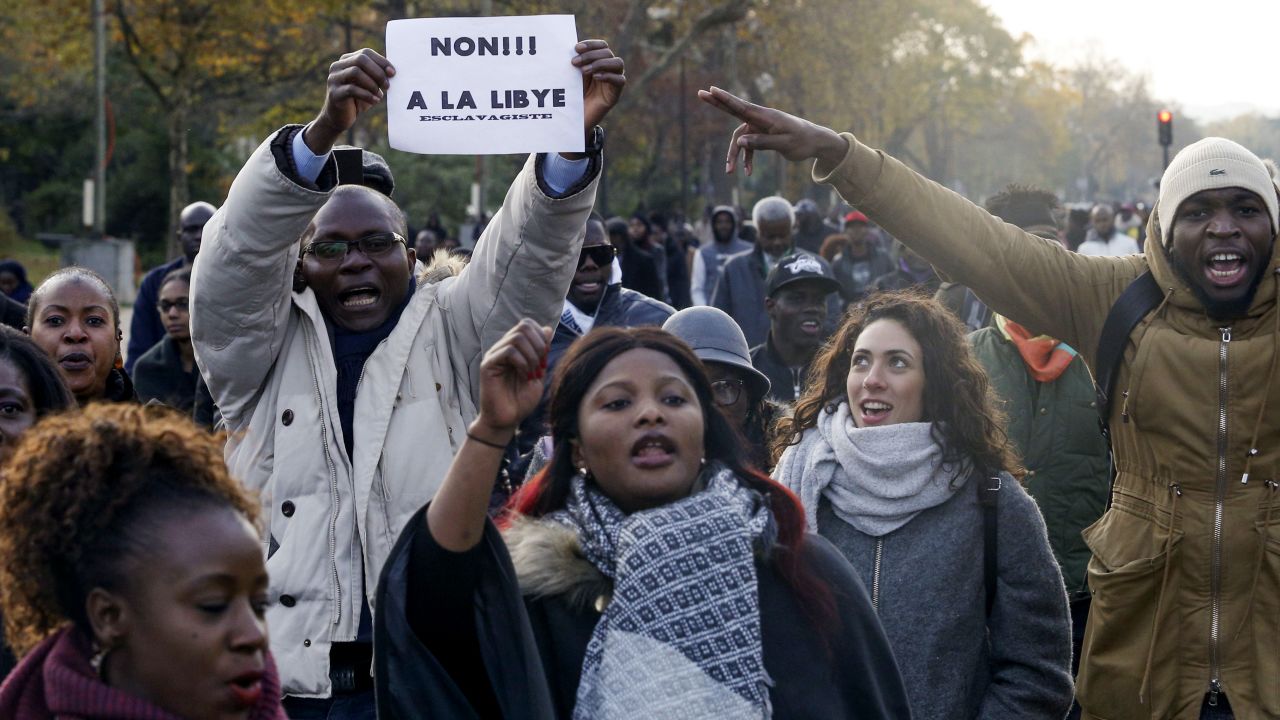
448 621
783 380
158 375
12 312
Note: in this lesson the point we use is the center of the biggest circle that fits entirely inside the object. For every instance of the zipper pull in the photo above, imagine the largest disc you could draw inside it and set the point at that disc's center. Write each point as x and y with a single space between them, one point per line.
1124 408
1226 334
1215 689
1244 479
1176 489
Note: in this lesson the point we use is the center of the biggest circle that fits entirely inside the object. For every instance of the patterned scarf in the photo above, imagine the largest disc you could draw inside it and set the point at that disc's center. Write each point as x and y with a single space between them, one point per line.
1046 358
681 636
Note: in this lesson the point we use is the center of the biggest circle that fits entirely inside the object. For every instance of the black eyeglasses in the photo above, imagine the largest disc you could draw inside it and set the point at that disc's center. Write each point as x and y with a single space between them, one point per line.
371 245
166 305
726 392
601 255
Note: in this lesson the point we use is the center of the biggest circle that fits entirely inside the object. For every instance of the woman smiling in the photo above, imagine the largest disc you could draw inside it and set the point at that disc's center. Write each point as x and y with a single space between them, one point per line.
894 448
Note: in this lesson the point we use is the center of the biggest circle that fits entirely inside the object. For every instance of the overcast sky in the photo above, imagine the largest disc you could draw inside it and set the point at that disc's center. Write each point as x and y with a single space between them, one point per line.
1215 58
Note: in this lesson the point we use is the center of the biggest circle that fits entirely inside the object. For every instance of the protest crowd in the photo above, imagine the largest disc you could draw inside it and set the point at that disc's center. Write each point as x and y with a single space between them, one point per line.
911 457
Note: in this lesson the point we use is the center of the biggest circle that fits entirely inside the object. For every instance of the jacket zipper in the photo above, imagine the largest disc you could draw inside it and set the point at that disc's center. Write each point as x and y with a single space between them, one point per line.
795 382
1215 610
875 574
333 488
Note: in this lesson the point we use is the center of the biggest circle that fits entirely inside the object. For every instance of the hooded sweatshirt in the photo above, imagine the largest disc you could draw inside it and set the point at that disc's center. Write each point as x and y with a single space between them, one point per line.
709 260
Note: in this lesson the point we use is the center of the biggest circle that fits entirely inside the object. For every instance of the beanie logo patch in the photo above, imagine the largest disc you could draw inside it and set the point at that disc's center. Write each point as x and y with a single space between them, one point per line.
1217 172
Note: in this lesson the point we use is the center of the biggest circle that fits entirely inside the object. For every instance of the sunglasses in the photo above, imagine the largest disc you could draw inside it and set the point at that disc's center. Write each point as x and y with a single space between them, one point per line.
167 305
371 245
601 255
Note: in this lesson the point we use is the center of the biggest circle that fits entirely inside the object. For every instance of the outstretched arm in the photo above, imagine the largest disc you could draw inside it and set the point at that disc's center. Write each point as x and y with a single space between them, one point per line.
510 387
1034 281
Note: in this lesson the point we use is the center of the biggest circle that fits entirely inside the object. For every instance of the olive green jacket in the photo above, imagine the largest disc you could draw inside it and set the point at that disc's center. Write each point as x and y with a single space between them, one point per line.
1054 426
1186 562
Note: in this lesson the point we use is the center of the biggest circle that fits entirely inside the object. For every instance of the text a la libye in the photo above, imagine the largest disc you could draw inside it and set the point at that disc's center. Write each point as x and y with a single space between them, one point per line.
498 100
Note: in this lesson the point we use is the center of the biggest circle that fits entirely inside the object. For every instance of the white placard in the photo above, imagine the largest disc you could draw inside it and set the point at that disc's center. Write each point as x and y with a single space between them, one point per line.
484 86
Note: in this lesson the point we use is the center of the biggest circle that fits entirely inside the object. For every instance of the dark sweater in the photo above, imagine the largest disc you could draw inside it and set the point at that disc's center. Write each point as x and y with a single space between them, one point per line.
956 662
159 376
146 329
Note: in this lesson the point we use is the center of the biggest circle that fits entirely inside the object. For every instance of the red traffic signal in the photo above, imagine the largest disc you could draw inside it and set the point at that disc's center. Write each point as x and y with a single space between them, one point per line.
1164 127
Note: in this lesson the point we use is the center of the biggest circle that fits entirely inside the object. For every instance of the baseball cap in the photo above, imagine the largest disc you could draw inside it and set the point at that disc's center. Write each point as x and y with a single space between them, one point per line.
801 267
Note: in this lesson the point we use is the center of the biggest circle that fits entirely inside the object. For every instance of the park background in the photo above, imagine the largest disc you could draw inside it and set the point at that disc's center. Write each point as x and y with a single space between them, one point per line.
193 86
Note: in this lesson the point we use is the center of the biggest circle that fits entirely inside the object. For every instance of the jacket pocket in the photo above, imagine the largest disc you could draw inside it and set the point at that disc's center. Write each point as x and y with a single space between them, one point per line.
1131 548
1266 621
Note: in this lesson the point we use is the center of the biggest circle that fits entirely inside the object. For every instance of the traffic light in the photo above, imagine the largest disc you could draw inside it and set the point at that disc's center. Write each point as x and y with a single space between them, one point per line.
1164 123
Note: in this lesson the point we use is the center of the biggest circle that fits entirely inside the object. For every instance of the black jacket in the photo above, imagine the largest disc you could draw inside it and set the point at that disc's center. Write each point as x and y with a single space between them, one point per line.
434 637
783 379
158 375
856 276
740 293
147 327
12 312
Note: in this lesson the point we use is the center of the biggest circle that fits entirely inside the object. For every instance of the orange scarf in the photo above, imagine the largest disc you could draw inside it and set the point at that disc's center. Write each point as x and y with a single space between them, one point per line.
1046 358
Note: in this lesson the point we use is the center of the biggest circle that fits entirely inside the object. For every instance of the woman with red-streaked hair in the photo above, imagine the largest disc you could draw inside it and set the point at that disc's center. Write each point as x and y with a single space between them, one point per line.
648 571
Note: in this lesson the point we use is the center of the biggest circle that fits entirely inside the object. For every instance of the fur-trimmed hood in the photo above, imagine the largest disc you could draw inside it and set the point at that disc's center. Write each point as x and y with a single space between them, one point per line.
442 264
548 561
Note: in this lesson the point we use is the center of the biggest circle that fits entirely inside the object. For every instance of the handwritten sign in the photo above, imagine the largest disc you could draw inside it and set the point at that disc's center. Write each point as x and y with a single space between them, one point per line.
484 86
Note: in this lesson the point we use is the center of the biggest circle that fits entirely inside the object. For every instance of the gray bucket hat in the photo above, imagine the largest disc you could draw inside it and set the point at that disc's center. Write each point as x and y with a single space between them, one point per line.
715 337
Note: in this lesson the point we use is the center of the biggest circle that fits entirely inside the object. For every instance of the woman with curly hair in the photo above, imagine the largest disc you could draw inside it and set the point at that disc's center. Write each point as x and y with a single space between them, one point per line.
894 447
131 575
647 571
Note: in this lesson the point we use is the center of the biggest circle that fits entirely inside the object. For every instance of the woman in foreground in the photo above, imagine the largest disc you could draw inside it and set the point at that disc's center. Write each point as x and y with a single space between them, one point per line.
646 572
131 575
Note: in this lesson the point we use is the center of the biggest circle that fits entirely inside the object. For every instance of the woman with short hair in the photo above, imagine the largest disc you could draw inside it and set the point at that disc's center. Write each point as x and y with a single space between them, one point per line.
167 372
74 317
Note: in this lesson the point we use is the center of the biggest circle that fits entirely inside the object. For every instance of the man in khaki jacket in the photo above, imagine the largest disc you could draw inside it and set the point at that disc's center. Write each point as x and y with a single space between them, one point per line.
346 382
1185 621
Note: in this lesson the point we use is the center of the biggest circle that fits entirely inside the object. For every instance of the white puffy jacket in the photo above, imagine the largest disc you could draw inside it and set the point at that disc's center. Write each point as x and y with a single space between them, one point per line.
265 353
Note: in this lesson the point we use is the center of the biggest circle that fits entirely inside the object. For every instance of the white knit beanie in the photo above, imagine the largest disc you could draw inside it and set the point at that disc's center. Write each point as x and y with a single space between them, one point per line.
1210 164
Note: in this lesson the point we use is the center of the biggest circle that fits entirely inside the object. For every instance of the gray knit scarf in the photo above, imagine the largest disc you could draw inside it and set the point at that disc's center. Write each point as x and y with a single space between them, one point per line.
877 478
681 636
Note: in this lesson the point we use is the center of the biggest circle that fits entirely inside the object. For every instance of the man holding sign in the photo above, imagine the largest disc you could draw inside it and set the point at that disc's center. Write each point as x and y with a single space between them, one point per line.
347 384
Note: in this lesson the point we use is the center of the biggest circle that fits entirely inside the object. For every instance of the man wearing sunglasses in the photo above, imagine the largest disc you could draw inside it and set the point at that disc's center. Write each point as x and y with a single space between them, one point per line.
347 384
596 298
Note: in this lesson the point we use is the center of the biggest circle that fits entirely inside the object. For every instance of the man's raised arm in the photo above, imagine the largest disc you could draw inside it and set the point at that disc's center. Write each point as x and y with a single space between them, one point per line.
523 263
243 278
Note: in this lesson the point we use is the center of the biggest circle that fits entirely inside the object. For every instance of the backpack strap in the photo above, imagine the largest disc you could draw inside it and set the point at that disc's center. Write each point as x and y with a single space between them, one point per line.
1138 299
989 499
